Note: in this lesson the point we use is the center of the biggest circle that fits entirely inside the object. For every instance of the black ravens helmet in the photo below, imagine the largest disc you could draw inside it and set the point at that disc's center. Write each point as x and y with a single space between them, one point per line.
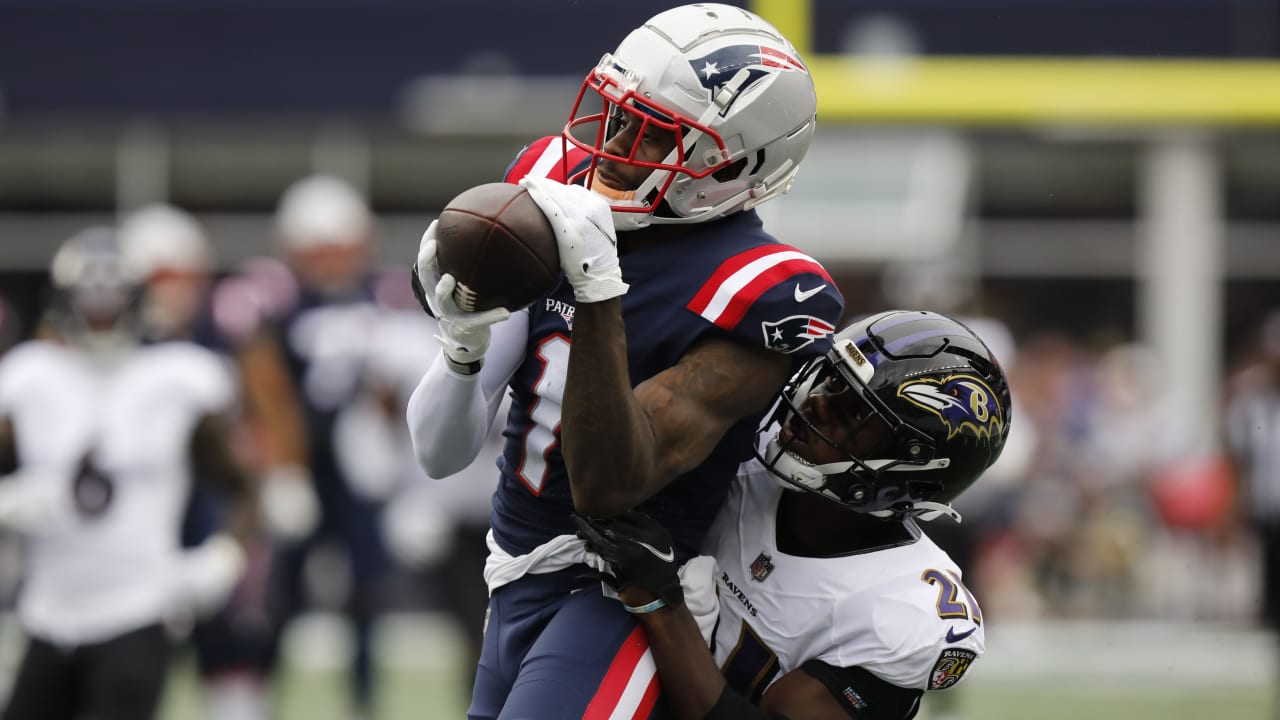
933 389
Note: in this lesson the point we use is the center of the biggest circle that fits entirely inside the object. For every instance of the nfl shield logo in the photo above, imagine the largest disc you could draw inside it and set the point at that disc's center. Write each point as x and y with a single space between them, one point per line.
761 568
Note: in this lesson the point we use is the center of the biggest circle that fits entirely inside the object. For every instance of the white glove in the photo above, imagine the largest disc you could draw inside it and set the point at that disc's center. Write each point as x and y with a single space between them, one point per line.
464 335
369 447
288 504
588 245
207 574
34 501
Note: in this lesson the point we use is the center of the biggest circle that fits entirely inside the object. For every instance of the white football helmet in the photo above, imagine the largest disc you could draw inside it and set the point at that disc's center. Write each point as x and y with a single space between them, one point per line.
731 88
161 237
321 210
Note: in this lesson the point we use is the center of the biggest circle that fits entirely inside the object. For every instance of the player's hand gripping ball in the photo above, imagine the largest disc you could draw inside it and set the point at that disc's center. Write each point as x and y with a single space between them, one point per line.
499 246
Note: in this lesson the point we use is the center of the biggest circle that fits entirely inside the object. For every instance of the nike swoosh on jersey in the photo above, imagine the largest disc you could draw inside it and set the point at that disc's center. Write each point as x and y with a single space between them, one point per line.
802 295
953 637
668 556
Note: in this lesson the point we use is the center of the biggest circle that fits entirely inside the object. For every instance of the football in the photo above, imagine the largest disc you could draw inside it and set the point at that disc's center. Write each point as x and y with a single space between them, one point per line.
498 245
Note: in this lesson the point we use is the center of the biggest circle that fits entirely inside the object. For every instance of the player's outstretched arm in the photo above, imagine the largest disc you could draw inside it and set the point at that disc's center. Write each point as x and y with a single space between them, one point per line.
271 398
205 575
290 509
29 501
643 571
449 414
695 690
212 453
451 409
621 445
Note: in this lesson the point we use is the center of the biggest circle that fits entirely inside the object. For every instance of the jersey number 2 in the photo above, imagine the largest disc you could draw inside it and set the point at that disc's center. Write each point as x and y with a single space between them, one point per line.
950 604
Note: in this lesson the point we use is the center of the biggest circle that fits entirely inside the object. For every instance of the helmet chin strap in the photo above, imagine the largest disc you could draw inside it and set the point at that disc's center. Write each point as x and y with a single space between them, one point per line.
600 188
790 469
928 510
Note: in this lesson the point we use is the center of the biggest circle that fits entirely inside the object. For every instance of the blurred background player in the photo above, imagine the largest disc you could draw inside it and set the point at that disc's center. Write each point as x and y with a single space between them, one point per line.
718 314
435 528
834 602
327 326
1252 425
101 435
169 252
11 329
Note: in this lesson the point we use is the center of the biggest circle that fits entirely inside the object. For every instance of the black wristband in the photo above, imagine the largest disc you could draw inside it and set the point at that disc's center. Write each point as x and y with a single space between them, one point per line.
470 368
732 706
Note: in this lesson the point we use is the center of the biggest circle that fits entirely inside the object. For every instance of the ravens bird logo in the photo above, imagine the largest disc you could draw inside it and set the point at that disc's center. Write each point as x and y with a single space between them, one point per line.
963 402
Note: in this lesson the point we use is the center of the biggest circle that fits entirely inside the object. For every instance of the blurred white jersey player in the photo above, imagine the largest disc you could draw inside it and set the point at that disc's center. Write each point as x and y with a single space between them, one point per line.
167 250
99 435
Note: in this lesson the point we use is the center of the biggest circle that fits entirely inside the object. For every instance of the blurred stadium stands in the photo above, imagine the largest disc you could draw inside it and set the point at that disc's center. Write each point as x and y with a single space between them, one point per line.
1097 175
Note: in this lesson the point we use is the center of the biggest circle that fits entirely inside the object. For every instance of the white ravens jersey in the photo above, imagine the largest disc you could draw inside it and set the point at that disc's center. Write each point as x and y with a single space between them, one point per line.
900 613
106 567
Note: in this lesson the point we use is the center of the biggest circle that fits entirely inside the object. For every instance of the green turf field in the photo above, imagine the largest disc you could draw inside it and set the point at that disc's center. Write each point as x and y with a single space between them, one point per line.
419 696
414 696
1091 671
1110 700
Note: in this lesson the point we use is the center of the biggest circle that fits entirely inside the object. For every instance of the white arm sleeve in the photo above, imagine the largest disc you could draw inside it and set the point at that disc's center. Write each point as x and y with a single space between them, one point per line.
449 414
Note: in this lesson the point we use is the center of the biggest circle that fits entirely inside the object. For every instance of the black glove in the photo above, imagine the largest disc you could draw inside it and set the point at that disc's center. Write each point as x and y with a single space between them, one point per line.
638 550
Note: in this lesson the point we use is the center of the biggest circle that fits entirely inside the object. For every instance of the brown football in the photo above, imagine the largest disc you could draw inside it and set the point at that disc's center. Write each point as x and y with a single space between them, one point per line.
499 246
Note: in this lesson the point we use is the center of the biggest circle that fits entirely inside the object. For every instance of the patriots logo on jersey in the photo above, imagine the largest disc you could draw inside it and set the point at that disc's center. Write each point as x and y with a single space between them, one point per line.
563 309
761 567
790 334
717 68
965 403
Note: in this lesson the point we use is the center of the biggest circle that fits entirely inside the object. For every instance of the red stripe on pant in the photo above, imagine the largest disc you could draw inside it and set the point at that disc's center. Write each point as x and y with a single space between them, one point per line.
625 663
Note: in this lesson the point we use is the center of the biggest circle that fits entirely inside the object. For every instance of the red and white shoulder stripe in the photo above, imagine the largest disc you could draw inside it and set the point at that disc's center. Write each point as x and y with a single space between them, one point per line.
739 281
543 158
630 686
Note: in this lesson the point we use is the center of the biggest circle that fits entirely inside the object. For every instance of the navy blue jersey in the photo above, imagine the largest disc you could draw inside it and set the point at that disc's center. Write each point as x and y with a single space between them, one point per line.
724 279
325 342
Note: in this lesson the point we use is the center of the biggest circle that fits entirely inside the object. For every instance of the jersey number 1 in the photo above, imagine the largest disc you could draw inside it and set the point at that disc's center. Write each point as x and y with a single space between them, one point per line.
544 429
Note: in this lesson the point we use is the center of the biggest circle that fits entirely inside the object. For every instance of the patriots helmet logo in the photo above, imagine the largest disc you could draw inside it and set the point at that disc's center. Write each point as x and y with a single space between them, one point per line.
718 67
790 334
963 402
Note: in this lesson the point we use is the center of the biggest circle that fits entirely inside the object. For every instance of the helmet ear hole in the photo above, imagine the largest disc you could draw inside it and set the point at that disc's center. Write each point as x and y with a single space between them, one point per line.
731 171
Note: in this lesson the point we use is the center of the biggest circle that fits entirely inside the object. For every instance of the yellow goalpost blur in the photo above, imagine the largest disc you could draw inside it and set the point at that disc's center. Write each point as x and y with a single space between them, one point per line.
1032 90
